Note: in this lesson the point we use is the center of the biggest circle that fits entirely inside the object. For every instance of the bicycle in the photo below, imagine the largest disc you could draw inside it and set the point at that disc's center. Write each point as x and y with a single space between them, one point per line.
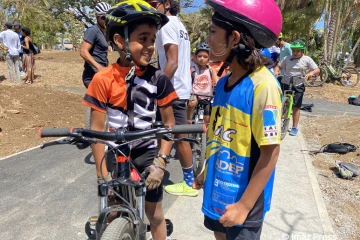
199 150
317 80
348 76
287 103
127 186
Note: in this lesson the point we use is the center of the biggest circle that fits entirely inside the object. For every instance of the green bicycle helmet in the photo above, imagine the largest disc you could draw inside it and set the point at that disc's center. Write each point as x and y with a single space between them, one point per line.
126 12
298 44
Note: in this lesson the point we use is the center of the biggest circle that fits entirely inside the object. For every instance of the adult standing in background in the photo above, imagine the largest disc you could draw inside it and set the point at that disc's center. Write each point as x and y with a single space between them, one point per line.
173 45
12 46
285 49
94 47
28 58
17 29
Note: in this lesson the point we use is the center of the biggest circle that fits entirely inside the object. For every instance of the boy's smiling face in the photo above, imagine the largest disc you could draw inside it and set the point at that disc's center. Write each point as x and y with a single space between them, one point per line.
142 41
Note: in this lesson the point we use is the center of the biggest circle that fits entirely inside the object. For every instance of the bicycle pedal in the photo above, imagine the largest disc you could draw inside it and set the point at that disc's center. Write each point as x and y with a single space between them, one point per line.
90 227
169 227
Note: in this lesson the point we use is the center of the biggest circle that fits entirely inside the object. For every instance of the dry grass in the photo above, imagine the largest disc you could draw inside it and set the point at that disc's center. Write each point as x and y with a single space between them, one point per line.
57 68
332 92
342 197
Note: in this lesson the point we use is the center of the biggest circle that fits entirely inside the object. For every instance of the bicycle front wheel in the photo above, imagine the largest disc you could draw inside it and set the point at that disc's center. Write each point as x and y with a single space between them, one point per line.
349 76
284 116
119 229
316 81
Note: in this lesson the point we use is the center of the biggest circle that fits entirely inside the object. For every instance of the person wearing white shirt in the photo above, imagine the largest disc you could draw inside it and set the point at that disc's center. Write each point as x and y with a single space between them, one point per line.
173 45
11 41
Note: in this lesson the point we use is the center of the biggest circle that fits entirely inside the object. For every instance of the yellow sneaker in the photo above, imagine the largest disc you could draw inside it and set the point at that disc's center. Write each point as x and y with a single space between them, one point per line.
181 189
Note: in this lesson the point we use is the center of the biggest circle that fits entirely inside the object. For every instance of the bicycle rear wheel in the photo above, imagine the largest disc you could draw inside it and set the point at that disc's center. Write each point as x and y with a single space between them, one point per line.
119 229
199 152
349 76
284 116
319 80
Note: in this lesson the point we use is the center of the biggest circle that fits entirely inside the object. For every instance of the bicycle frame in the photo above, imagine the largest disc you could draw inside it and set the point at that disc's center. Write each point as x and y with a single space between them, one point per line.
127 185
333 71
290 94
133 192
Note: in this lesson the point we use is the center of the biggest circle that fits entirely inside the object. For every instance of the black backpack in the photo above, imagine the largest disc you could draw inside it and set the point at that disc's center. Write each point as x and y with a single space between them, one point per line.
354 100
340 148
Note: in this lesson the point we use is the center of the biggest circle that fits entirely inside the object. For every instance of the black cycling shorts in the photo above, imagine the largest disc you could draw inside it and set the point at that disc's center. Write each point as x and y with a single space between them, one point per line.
87 76
207 106
179 108
299 93
233 233
141 158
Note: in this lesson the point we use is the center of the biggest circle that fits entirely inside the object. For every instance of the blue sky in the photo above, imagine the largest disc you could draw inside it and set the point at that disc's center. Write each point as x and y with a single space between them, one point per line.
197 4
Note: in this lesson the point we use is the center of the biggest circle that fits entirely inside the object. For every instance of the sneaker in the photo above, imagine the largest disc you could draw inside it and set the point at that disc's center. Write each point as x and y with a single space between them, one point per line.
294 131
181 189
22 74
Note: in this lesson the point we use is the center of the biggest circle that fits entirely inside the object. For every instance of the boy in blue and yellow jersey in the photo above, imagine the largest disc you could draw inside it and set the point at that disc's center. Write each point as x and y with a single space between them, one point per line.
244 131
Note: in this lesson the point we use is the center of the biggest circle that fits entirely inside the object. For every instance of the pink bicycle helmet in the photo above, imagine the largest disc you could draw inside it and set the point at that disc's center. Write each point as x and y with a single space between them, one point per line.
261 17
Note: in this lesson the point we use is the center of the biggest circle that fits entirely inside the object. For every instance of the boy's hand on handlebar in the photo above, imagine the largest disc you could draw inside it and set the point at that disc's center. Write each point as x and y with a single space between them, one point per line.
199 182
155 177
155 174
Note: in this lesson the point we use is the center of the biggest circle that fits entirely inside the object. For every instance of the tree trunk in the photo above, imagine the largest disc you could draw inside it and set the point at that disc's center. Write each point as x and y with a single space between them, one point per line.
352 53
332 27
337 33
326 26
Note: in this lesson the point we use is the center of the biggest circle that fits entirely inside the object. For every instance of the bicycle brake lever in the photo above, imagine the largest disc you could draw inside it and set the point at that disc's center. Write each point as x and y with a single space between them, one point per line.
57 142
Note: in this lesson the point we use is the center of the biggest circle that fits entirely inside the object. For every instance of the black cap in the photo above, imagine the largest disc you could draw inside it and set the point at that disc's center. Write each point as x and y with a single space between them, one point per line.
8 24
16 24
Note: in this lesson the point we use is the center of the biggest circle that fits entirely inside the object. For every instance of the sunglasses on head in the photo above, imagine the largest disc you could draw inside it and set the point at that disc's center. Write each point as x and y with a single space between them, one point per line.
155 4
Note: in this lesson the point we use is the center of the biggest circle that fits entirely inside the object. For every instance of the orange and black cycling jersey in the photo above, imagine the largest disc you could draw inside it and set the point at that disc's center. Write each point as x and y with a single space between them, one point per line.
130 97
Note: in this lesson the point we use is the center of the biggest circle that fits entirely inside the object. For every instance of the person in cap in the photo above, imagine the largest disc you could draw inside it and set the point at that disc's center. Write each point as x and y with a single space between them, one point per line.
94 47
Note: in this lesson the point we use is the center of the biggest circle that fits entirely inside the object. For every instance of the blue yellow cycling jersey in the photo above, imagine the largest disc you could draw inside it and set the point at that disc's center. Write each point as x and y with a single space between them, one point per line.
244 117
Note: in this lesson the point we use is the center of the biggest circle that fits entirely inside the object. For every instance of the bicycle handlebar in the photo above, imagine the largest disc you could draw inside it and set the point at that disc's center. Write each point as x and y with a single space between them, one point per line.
203 95
120 135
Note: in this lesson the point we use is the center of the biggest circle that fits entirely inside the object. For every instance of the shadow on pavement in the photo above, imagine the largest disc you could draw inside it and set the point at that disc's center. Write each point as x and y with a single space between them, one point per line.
88 159
166 180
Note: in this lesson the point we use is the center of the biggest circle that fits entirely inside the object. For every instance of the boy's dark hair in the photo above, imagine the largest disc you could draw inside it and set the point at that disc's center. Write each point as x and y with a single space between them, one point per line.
174 7
197 52
253 60
131 27
26 31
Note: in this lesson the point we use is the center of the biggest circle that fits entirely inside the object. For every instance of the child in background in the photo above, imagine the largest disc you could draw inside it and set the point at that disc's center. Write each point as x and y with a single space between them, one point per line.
216 65
202 79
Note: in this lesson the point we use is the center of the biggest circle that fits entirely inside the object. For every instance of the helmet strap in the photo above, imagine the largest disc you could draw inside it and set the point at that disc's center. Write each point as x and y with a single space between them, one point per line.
240 51
128 53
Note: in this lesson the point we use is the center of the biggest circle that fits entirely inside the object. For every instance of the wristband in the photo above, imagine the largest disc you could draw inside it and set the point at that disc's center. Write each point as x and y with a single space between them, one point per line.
165 157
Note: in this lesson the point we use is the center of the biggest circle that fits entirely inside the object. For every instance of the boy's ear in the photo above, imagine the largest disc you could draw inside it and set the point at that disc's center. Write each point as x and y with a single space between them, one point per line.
119 41
235 38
